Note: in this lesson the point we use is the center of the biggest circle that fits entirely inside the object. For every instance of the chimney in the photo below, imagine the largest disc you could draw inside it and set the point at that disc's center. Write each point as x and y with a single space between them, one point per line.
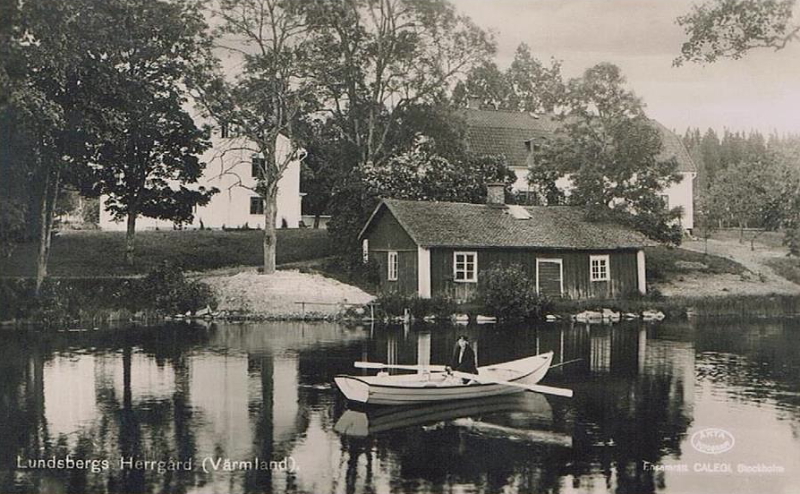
496 194
473 103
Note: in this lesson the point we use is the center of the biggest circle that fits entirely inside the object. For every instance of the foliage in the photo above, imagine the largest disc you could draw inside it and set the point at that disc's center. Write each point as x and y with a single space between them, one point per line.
422 176
66 301
609 149
17 216
527 85
49 57
148 144
167 290
706 218
12 225
731 28
382 64
394 304
62 301
509 294
751 194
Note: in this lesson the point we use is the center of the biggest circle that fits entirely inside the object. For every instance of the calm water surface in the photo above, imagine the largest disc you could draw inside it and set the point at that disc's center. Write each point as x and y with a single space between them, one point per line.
262 393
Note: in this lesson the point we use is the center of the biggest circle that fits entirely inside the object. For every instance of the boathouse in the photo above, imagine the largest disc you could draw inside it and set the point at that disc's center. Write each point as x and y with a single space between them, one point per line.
430 248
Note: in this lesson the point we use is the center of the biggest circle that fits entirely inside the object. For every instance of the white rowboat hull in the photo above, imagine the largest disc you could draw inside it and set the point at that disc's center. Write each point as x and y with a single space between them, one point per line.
410 389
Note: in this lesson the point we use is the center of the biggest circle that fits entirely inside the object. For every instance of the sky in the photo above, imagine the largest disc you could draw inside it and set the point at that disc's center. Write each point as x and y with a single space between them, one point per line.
759 92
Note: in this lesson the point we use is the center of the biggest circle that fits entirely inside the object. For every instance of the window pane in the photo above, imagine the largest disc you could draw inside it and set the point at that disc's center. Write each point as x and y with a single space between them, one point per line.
256 205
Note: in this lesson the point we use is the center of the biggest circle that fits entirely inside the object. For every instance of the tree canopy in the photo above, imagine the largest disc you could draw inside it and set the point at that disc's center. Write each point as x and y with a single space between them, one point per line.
527 85
609 150
380 62
731 28
147 144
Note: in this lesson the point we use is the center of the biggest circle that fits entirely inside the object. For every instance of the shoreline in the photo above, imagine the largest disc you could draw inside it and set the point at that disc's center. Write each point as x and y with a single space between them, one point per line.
776 306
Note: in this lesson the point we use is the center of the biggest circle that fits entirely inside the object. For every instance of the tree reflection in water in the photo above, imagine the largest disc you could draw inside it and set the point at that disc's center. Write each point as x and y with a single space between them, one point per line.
238 392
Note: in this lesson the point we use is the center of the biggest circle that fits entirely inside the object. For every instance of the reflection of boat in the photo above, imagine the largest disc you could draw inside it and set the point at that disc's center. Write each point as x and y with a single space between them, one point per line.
409 389
375 420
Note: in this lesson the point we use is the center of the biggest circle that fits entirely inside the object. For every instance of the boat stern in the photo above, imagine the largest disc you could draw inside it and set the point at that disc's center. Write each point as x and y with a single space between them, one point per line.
352 388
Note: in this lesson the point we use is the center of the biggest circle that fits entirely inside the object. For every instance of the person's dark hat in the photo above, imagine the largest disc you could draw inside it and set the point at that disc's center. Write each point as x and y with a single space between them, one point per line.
463 337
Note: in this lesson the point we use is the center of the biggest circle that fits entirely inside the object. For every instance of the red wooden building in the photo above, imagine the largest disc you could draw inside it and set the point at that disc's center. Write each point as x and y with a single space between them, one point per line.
430 248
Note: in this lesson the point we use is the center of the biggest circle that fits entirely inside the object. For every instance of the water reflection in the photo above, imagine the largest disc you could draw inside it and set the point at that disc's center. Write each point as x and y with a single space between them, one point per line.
258 393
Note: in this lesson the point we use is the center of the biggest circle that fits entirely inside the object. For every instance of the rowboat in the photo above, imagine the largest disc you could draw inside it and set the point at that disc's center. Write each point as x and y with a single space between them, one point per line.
426 387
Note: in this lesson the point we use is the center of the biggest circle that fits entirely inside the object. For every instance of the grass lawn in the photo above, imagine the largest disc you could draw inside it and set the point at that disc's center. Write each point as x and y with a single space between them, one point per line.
95 253
770 239
664 262
788 267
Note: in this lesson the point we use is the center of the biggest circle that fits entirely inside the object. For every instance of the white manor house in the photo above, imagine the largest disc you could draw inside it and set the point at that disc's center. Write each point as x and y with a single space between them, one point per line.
234 206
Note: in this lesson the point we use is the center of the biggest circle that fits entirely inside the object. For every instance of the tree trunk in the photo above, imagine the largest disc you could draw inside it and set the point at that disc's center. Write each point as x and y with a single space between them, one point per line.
741 233
270 236
49 194
130 234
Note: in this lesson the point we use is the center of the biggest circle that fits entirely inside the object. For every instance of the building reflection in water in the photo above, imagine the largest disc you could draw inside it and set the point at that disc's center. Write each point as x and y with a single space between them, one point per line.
243 391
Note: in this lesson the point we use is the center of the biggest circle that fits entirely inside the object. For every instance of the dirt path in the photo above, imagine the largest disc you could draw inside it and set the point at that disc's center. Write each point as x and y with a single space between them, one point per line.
278 294
761 279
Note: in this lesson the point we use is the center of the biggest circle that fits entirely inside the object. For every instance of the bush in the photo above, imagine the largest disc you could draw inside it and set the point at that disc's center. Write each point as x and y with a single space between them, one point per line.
393 304
166 289
508 294
442 306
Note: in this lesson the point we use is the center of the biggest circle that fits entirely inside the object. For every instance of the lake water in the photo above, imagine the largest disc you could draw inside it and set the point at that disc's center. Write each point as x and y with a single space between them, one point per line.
206 399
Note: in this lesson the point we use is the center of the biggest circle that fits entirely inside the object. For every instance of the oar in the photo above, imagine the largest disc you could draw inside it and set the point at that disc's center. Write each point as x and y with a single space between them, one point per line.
530 387
565 363
378 365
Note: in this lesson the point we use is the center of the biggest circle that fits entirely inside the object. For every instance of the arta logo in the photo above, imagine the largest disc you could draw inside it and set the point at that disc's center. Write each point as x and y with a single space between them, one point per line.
712 441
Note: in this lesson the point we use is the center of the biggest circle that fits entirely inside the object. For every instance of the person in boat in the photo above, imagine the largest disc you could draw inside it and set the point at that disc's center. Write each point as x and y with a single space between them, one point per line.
463 358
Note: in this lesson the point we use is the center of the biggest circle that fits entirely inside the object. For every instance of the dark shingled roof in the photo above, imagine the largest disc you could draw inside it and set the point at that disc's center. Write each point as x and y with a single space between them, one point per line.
495 132
452 224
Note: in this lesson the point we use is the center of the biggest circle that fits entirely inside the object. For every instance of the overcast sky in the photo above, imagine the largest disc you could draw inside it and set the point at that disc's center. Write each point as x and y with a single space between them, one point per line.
760 91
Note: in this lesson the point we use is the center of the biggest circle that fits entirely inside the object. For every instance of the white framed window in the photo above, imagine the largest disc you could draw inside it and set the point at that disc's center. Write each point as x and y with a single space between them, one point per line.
256 205
599 268
257 166
465 267
365 251
391 266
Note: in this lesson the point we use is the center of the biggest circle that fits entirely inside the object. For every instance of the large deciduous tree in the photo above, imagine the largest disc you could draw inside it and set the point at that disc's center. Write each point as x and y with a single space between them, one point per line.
527 85
263 98
378 60
731 28
609 150
49 52
756 194
147 146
